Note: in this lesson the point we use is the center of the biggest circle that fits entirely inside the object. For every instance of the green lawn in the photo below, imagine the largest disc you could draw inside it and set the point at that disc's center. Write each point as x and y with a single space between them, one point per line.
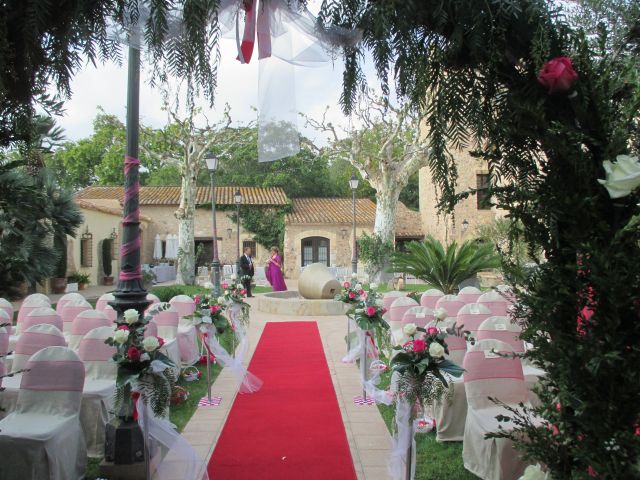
165 293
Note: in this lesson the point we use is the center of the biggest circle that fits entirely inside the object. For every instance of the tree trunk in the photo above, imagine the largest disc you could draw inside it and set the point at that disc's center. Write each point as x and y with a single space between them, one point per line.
186 226
387 195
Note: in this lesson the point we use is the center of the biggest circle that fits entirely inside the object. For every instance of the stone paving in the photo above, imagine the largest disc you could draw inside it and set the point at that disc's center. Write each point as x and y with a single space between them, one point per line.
368 437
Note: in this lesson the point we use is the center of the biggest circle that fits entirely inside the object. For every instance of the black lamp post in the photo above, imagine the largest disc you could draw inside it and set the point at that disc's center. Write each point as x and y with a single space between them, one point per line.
238 199
353 183
212 165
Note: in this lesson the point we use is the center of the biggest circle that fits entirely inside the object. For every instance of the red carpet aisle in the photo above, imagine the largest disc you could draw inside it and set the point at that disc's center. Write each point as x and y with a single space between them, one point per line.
292 428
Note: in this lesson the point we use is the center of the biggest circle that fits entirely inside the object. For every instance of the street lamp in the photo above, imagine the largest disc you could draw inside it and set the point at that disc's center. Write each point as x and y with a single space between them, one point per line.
238 199
353 183
212 165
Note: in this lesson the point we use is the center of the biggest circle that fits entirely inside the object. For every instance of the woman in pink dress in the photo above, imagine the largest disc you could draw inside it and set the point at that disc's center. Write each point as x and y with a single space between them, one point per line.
273 272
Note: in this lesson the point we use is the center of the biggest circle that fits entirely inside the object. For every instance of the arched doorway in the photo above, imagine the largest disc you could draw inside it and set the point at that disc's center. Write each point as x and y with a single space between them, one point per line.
314 250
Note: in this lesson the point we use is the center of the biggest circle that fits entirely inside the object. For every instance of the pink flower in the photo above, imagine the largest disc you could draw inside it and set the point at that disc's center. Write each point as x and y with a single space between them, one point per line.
637 430
133 354
346 284
408 346
371 311
433 331
555 430
225 285
243 292
123 327
214 308
196 299
558 406
352 295
360 292
591 471
557 75
419 346
160 341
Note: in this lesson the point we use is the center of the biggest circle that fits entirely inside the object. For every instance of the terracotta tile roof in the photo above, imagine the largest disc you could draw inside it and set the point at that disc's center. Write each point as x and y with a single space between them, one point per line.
171 195
339 211
84 204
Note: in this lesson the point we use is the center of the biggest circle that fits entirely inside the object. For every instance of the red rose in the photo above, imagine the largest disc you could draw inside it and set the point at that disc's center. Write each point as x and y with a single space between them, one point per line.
554 430
214 308
591 471
419 345
408 346
360 292
371 311
196 299
558 406
123 327
637 431
133 354
352 295
243 292
433 331
225 285
346 284
160 341
557 75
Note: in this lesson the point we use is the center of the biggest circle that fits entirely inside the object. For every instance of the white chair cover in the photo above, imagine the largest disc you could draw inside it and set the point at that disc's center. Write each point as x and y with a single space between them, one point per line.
151 330
471 316
38 316
26 308
166 320
451 303
395 315
110 313
66 298
85 322
490 375
71 310
99 387
496 302
186 335
469 294
501 328
184 305
43 434
418 315
152 298
430 298
104 300
34 339
7 306
507 292
36 297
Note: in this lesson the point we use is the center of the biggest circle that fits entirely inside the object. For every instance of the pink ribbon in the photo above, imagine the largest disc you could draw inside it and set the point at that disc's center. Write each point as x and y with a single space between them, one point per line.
245 50
133 217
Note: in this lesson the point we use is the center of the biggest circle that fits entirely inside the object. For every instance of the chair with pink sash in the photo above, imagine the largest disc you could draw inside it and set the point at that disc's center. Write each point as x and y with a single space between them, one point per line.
430 298
104 300
7 306
152 298
44 434
66 298
471 316
26 308
507 292
469 295
83 323
4 347
99 387
71 310
418 315
4 318
496 302
167 322
451 303
110 313
36 297
187 335
396 312
38 316
490 375
388 299
151 330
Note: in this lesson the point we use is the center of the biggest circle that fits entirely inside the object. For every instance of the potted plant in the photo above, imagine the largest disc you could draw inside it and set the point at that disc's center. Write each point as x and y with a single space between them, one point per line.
59 281
82 279
148 277
106 262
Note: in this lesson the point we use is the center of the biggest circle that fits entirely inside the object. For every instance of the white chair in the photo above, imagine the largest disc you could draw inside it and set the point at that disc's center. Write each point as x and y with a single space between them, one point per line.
451 303
469 294
471 316
396 313
104 300
26 308
489 375
99 387
43 434
186 335
7 306
167 327
37 297
418 315
152 298
388 298
498 304
71 310
85 322
38 316
66 298
110 313
430 298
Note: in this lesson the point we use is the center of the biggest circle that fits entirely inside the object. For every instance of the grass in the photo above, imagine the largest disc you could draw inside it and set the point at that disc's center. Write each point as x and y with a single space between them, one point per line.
434 460
165 293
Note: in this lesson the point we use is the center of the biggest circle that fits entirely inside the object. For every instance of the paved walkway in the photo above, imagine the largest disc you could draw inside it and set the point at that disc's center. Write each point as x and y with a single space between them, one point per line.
368 437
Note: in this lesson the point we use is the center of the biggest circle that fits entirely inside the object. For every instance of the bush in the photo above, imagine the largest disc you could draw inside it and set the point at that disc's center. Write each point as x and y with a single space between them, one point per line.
80 278
167 293
106 257
61 265
374 252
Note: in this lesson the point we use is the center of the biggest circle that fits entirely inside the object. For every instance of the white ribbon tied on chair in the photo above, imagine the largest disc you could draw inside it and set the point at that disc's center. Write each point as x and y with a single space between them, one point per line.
404 437
287 35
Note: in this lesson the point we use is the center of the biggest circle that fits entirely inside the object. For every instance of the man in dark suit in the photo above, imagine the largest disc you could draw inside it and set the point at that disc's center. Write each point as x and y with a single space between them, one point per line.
247 270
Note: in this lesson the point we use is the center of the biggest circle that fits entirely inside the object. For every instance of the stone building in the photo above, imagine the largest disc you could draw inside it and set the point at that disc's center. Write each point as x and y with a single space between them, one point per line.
102 210
321 230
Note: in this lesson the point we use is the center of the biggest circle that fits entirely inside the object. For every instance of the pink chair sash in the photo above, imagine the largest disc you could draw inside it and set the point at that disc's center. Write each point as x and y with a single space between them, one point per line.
32 320
53 376
469 297
478 367
102 303
31 342
421 322
183 308
397 313
151 330
451 306
456 343
110 313
24 311
429 301
498 308
506 336
70 312
472 321
387 300
167 318
95 350
81 325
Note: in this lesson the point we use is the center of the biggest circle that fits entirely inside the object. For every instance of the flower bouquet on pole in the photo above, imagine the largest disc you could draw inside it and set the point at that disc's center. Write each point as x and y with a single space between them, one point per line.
422 372
352 294
234 299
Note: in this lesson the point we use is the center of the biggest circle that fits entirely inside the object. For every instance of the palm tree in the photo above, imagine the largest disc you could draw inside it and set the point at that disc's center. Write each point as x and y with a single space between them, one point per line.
46 135
445 268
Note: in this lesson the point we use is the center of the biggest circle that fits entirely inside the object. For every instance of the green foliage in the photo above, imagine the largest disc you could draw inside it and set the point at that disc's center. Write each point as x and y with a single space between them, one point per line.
106 257
374 252
77 277
266 224
61 263
445 267
475 65
508 238
35 217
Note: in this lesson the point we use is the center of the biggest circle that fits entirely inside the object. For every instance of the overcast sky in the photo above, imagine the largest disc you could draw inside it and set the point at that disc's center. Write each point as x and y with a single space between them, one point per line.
106 86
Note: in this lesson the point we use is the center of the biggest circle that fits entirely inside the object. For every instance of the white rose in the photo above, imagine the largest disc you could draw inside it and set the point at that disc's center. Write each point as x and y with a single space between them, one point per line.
208 285
358 286
234 276
410 329
121 336
239 286
622 177
145 357
440 313
226 292
150 344
436 350
354 275
533 472
373 286
131 316
379 302
221 300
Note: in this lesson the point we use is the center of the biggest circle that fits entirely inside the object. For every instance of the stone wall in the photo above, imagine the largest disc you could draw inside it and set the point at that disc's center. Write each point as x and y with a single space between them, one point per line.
451 228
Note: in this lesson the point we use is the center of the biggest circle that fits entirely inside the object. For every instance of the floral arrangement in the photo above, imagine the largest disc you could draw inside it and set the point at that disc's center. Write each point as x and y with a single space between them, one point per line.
351 293
234 295
209 311
142 368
